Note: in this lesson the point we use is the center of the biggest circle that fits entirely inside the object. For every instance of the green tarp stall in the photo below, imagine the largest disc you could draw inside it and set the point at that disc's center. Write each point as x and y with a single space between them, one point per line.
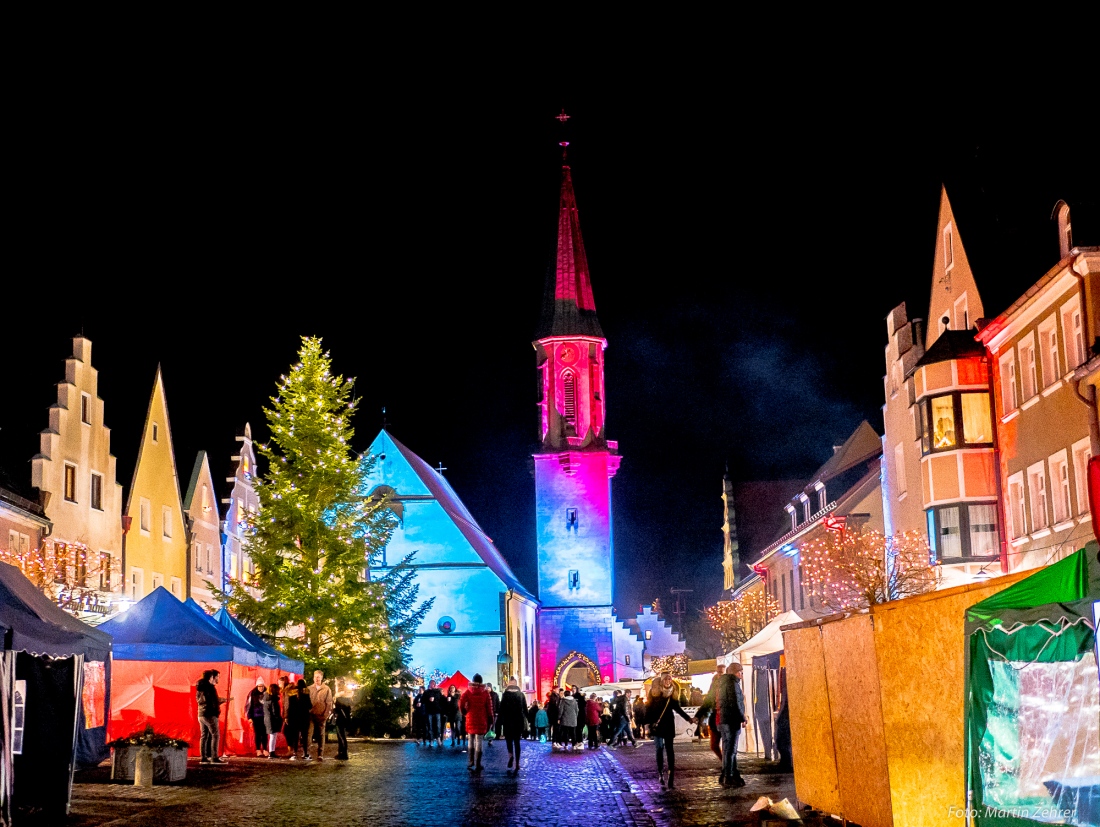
1033 699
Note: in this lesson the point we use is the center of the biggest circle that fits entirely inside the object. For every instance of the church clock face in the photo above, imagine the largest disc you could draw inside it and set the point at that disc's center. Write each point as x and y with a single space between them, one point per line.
567 354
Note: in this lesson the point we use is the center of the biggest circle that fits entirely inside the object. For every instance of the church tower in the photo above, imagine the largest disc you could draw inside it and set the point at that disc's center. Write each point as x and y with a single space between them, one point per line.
573 471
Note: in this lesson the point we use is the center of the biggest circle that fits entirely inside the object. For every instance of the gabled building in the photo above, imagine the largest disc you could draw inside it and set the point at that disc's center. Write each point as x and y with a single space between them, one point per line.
200 507
24 528
240 504
939 441
74 471
1040 348
156 550
847 486
641 639
483 620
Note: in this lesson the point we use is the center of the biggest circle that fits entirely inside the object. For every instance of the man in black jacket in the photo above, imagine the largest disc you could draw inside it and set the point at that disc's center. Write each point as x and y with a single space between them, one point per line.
432 700
728 702
210 708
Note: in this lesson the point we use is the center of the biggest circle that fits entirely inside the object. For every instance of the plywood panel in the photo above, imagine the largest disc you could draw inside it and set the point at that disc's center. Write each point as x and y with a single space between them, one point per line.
851 670
815 777
920 651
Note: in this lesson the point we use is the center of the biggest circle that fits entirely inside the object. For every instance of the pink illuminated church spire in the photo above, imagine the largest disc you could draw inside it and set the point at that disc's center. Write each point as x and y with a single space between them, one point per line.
569 308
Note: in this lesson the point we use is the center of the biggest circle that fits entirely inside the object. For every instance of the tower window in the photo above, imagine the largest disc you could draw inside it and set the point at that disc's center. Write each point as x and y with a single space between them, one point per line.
571 518
574 579
156 431
649 634
628 660
569 397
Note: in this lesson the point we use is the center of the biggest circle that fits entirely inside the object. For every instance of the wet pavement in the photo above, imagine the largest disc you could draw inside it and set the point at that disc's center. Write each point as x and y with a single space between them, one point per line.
401 784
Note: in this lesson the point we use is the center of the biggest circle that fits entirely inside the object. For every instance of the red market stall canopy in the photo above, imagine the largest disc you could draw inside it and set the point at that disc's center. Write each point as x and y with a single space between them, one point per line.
53 700
162 648
457 680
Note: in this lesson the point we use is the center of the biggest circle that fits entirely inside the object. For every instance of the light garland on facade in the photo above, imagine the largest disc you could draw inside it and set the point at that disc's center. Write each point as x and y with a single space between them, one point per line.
739 619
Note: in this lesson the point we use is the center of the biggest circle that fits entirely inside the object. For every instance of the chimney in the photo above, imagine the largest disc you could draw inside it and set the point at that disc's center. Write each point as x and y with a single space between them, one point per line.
1065 229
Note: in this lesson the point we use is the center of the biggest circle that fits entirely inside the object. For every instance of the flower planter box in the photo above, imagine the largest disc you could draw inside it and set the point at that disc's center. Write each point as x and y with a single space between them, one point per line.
169 763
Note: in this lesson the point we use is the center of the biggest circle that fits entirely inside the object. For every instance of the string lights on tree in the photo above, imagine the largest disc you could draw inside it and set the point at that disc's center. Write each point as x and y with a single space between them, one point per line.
849 570
319 536
69 573
739 619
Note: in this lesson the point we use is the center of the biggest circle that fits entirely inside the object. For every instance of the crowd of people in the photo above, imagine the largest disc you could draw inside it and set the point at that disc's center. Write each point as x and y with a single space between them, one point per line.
571 721
296 712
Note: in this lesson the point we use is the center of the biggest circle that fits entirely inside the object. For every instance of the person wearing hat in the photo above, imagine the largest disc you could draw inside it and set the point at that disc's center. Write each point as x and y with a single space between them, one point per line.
477 706
511 717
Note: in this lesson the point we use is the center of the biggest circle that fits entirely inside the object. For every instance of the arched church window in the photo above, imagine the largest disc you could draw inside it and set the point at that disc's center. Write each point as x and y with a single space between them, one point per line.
569 397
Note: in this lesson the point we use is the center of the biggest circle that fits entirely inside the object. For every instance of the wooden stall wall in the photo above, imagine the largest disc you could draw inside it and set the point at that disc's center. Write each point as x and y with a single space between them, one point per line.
815 776
854 702
877 708
921 668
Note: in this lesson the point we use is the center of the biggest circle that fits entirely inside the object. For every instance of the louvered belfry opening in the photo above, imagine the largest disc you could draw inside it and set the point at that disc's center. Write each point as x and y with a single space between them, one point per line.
569 397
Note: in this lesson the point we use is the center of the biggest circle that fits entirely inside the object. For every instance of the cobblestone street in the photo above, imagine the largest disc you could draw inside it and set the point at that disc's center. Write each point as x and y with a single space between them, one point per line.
400 783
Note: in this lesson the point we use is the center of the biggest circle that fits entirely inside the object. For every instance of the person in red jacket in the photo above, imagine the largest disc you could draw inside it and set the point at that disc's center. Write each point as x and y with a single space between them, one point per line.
592 711
477 706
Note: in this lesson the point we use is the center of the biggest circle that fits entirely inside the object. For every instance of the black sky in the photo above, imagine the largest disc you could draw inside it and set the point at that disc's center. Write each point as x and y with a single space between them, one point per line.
745 246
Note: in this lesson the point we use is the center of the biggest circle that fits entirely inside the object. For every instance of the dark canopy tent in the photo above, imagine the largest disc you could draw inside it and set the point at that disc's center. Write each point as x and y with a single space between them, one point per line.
56 724
1033 699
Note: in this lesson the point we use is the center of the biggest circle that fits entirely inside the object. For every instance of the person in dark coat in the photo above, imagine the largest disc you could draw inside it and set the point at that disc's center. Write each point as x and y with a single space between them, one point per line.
532 713
552 702
568 715
210 709
512 719
342 710
297 719
433 704
477 705
418 722
663 703
727 700
254 711
495 698
273 717
450 706
578 732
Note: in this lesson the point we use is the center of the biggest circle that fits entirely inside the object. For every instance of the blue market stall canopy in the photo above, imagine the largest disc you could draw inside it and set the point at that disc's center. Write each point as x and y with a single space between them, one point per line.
283 662
161 628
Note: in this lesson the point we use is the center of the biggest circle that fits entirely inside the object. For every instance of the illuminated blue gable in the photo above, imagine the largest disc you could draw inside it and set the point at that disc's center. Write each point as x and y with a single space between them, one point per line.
468 627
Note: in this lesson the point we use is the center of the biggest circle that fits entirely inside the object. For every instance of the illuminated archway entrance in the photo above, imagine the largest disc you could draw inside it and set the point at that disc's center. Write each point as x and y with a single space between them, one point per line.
576 669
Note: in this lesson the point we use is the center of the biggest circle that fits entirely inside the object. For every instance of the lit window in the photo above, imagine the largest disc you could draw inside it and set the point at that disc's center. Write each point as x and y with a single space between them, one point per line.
943 422
1037 490
1059 487
97 492
977 428
104 571
1008 383
963 531
1028 381
70 483
1017 506
1048 351
61 558
1082 450
649 634
1073 334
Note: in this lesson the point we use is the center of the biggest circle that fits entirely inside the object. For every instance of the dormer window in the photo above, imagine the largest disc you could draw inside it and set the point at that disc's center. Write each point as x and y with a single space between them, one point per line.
805 507
819 489
794 516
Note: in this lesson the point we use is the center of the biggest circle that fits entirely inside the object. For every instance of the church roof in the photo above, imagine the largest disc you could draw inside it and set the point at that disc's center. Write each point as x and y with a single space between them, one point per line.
568 308
443 494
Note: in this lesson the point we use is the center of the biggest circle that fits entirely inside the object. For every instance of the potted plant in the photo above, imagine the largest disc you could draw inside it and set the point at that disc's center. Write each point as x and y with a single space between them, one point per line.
169 756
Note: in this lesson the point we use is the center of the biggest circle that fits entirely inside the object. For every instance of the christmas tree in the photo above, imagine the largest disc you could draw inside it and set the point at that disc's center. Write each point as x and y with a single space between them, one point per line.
317 535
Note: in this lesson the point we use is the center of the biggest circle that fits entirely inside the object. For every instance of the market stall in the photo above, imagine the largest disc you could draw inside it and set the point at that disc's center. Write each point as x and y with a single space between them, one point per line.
162 647
53 698
1033 699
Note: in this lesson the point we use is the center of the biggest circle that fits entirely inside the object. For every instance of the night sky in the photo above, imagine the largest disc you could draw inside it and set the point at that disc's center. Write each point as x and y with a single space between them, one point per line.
745 248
